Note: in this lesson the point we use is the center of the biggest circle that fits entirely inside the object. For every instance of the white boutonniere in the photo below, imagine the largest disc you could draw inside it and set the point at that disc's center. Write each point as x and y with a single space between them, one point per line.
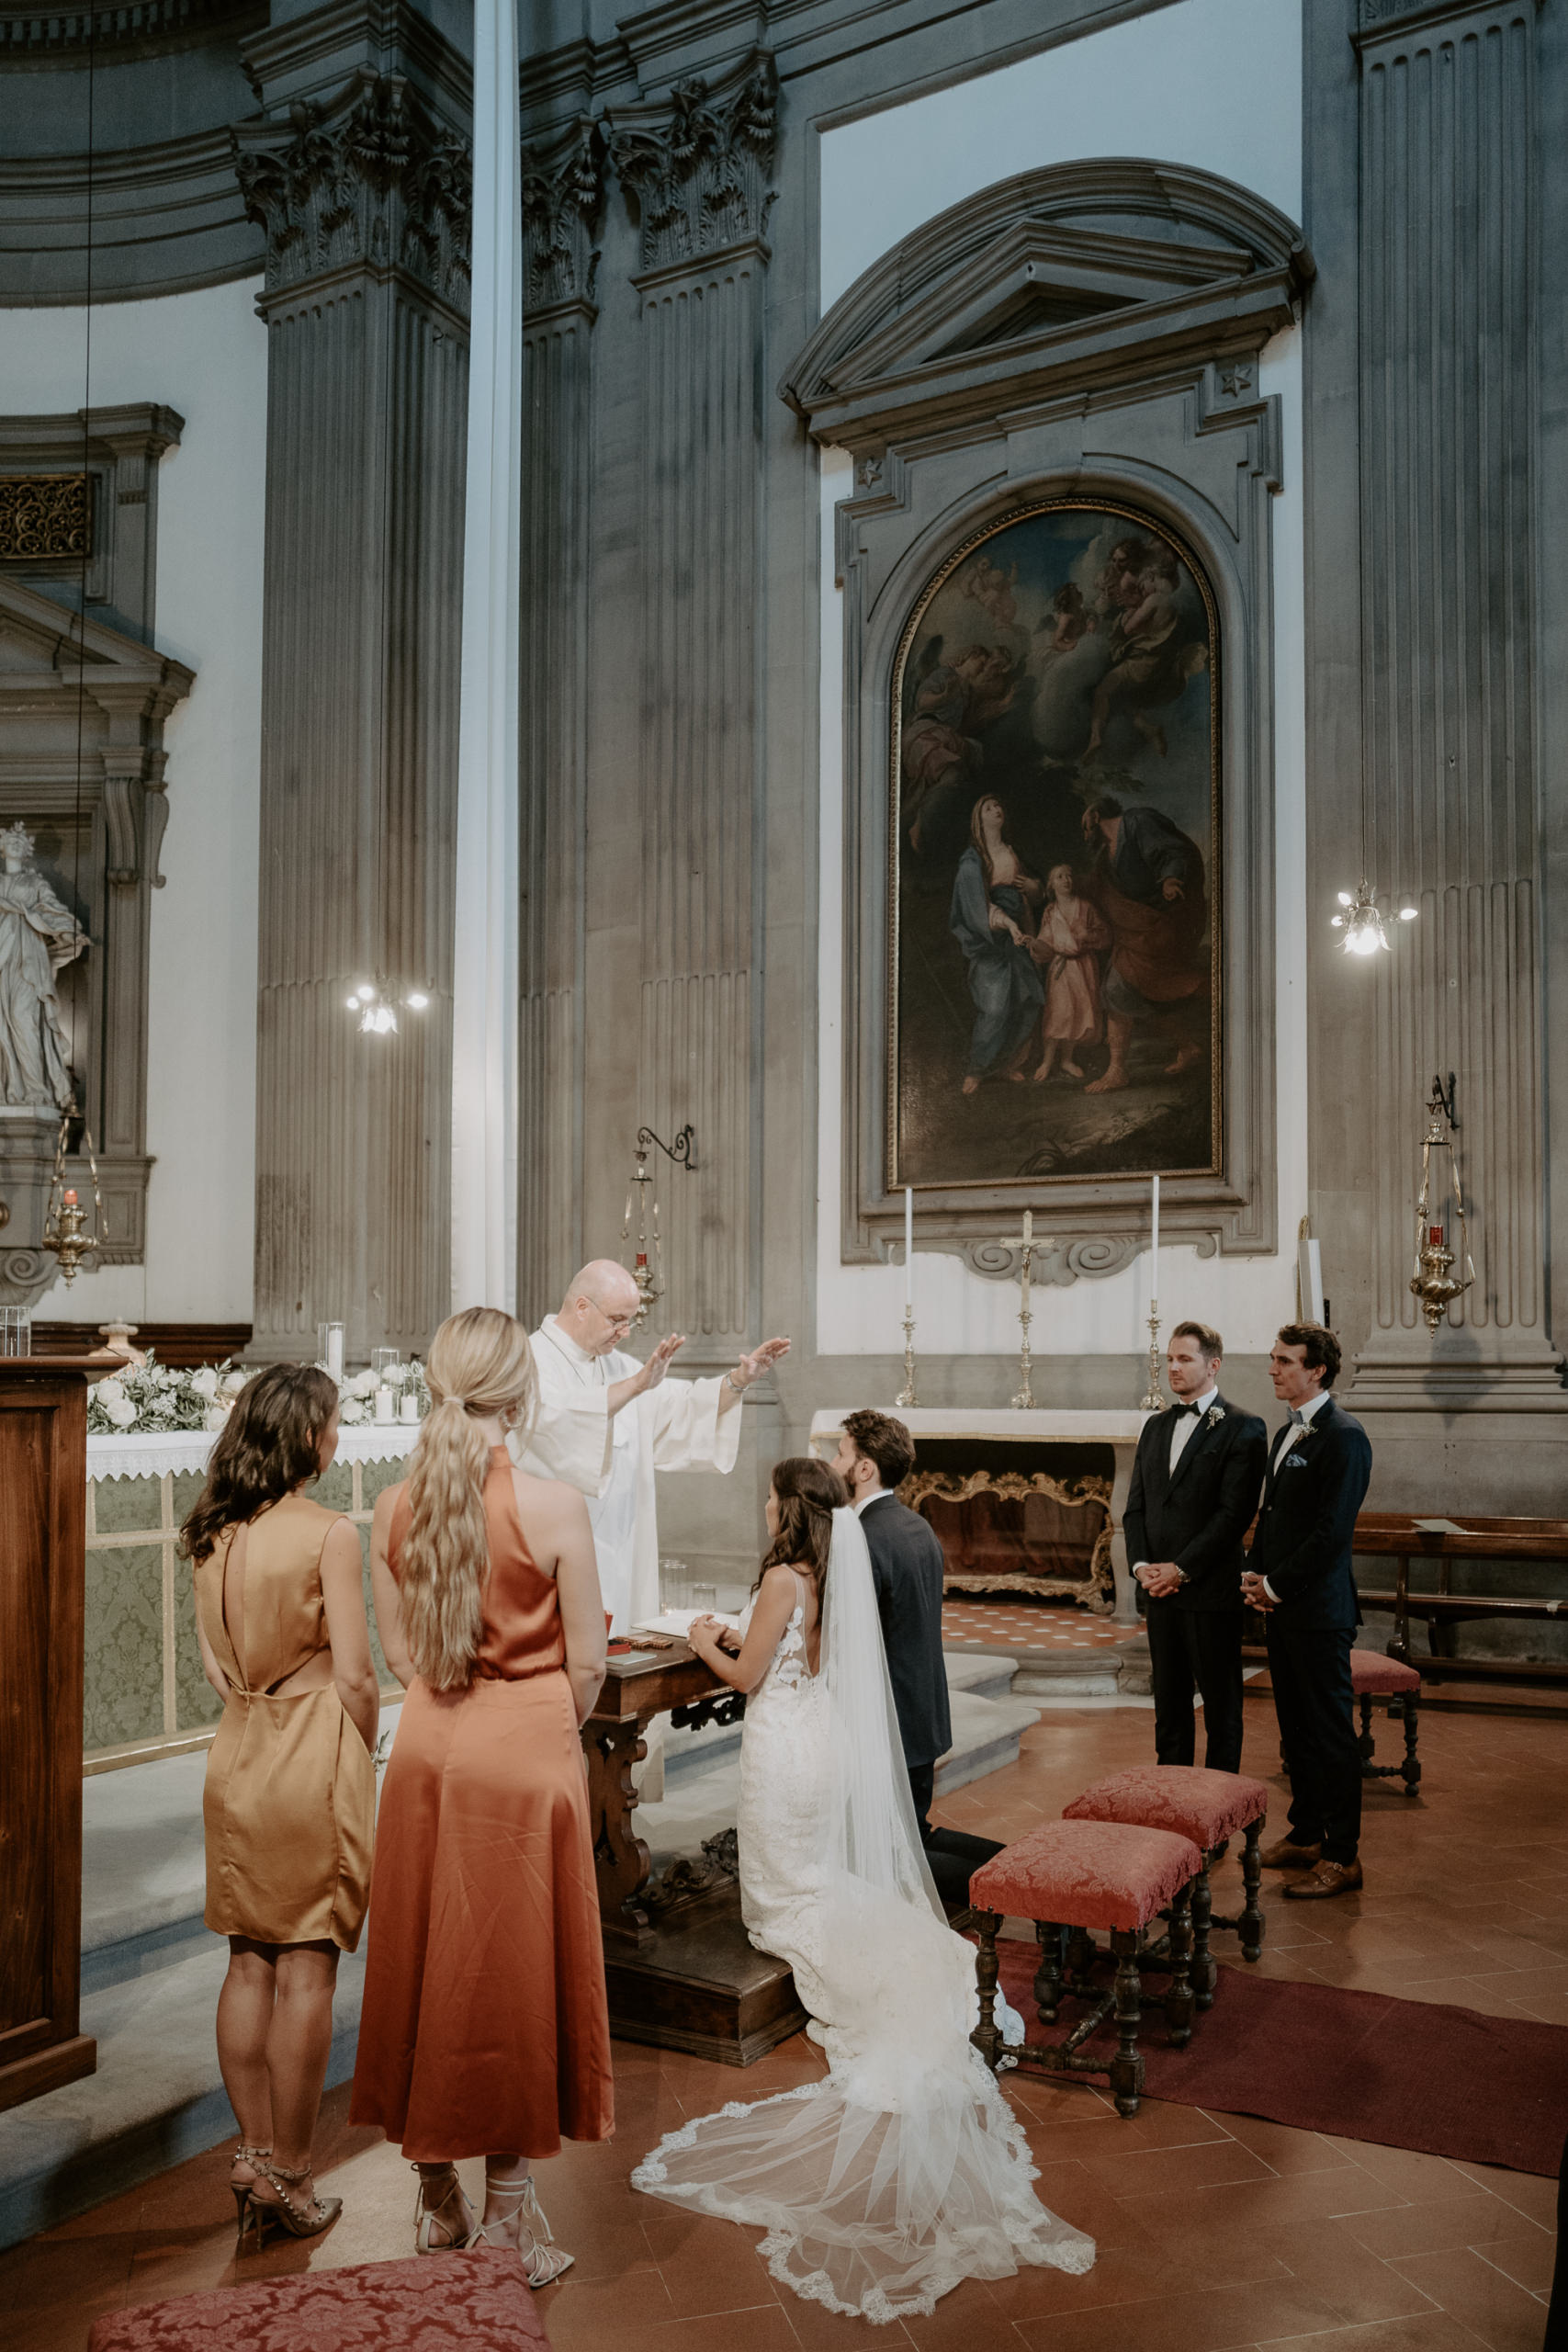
1215 1415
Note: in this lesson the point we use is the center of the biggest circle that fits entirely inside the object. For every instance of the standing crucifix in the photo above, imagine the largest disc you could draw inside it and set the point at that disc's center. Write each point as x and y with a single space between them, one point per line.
1024 1401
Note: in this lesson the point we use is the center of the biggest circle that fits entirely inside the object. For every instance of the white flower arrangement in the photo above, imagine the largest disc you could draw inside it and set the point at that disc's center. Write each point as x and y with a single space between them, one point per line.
151 1396
356 1392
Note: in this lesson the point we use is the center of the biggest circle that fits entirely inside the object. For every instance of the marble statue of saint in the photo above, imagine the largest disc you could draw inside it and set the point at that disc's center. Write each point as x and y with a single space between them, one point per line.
37 938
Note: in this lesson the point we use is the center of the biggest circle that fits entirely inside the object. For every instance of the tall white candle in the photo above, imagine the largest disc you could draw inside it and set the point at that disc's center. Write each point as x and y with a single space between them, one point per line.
1153 1250
334 1350
909 1247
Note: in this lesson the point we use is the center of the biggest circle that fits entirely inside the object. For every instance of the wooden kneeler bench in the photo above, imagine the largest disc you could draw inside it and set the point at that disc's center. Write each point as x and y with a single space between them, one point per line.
1211 1808
1073 1877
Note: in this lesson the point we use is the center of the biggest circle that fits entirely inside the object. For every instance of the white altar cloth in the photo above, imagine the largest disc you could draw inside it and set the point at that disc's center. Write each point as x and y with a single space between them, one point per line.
147 1453
1000 1424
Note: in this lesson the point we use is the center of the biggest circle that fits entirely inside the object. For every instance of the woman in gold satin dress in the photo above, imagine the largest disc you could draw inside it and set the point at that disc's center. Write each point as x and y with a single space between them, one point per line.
290 1804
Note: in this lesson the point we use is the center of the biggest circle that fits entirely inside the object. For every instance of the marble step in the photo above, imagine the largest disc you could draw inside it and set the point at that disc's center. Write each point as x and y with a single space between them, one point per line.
978 1675
156 2098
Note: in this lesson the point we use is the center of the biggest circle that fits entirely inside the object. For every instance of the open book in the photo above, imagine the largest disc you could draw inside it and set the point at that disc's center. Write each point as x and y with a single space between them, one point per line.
679 1621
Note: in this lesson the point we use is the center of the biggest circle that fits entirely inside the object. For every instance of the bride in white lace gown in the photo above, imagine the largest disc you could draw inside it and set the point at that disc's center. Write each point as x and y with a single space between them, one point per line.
903 2170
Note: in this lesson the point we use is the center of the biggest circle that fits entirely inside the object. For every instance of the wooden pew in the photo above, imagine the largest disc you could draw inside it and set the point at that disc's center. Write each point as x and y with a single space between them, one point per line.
1394 1535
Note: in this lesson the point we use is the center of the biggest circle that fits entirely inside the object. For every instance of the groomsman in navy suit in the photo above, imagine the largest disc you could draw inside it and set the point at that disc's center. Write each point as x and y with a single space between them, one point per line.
1195 1486
1299 1575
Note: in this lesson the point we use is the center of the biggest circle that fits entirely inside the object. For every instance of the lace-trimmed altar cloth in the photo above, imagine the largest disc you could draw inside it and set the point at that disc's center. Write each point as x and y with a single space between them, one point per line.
904 2170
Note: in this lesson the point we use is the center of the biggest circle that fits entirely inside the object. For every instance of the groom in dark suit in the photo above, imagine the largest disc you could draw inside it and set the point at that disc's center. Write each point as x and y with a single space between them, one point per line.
1196 1480
1299 1575
875 1455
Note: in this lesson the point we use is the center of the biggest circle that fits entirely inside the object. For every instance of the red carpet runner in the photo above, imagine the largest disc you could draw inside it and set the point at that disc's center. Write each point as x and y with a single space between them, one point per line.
1405 2074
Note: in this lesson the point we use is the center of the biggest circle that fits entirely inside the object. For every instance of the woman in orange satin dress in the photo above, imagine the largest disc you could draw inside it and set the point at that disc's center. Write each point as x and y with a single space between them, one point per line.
485 2030
289 1801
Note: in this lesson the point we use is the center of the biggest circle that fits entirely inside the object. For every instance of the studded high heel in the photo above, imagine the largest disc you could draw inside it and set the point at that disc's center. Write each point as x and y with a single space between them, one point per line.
544 2261
255 2157
425 2213
299 2221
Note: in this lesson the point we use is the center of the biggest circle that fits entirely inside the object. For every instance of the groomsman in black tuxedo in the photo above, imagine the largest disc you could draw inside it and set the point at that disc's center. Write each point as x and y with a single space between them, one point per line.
1195 1486
1299 1575
875 1455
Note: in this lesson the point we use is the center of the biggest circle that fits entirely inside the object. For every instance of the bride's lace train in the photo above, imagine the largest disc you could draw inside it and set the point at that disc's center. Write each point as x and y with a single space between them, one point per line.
904 2171
873 2214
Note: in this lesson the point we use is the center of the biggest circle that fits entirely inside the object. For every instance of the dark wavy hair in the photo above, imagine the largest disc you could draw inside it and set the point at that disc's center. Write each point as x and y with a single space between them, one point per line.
808 1493
1320 1348
265 1449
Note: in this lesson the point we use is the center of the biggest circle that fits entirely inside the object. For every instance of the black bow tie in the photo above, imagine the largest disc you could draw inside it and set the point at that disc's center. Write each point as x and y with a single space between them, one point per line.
1195 1409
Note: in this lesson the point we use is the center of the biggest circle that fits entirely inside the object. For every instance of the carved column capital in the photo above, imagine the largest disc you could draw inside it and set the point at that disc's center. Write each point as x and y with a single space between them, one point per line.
563 194
699 162
368 180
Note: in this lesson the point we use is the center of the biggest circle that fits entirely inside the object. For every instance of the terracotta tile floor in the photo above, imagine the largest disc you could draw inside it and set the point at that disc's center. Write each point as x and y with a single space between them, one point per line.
1213 2232
1028 1625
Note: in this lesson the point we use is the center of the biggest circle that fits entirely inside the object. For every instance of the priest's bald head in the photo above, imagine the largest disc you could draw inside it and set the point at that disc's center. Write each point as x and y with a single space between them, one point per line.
599 1306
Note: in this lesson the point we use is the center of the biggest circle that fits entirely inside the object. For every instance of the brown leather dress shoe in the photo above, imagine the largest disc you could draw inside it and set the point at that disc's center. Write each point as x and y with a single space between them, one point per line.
1286 1857
1329 1878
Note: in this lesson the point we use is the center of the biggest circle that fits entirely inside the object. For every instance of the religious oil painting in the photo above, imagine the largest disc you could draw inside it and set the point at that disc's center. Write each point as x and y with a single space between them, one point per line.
1054 869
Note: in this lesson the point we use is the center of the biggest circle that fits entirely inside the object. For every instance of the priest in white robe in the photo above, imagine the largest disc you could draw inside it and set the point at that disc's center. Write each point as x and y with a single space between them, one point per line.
605 1423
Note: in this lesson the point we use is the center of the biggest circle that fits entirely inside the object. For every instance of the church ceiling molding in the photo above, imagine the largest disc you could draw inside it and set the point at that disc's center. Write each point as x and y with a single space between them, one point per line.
1077 273
149 27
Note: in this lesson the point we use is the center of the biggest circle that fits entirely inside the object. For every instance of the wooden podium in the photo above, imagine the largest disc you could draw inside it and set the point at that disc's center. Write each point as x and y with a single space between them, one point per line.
680 1968
43 1497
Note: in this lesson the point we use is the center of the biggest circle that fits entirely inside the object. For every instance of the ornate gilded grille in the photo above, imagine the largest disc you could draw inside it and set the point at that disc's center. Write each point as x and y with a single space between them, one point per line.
45 516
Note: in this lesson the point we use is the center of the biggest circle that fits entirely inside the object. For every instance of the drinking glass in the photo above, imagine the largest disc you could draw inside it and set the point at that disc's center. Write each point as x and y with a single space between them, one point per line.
382 1360
16 1331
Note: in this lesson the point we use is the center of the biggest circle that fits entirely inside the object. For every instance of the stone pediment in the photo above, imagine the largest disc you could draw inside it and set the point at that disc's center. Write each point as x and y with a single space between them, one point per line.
1060 277
44 651
95 695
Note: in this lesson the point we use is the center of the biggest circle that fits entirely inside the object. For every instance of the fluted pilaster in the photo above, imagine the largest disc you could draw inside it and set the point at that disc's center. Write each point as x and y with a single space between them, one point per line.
364 198
1448 404
562 199
698 171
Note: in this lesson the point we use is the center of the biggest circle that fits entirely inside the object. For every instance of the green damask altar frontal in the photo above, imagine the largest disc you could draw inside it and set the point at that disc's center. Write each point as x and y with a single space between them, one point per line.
146 1694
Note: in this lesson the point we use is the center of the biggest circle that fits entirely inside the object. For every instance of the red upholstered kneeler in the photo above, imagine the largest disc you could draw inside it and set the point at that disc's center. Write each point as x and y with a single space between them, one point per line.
1078 1875
1374 1675
1208 1807
470 2303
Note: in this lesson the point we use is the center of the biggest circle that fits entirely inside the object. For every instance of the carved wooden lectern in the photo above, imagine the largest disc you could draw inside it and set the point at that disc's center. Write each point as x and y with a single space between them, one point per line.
43 1496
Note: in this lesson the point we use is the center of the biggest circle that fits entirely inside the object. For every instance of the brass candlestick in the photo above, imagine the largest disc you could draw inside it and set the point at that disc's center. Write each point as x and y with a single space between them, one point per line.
1024 1400
906 1394
1154 1402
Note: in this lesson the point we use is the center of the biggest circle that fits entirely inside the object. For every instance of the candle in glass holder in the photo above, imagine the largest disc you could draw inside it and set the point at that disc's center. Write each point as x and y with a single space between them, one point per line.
407 1406
386 1404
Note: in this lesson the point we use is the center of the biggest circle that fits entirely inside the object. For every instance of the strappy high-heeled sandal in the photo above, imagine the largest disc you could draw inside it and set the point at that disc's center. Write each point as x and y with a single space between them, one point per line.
301 2221
425 2213
255 2157
542 2261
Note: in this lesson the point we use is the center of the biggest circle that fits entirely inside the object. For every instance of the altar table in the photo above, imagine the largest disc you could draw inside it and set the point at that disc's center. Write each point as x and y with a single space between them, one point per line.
680 1970
947 1434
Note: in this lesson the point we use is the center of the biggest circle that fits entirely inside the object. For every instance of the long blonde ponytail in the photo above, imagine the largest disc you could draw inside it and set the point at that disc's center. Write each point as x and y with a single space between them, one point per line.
479 1365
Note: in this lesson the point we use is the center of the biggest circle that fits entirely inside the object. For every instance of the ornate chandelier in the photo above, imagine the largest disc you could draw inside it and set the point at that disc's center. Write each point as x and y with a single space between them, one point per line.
1362 920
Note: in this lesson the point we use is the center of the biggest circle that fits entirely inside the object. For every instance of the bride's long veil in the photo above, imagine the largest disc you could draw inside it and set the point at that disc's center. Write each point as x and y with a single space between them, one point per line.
870 1838
904 2171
